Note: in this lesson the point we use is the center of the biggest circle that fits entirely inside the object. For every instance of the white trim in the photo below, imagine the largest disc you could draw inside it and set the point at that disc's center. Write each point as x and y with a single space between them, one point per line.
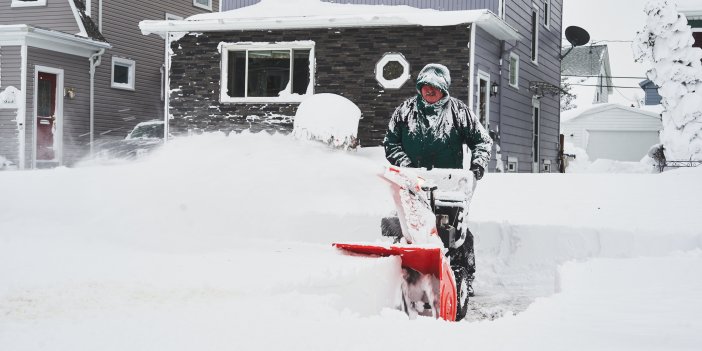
397 82
501 9
58 135
429 18
484 76
131 64
516 70
89 7
534 44
535 135
17 3
206 7
79 22
471 66
22 110
547 14
20 34
224 49
168 16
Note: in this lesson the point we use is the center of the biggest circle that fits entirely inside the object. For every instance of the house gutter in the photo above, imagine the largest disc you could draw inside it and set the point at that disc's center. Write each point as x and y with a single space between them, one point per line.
95 60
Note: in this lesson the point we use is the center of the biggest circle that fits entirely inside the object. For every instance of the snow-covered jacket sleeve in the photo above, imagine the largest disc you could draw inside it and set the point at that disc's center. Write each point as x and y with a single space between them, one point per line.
475 136
394 152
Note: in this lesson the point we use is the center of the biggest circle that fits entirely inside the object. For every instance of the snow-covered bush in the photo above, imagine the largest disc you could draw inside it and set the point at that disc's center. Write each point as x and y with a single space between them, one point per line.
6 164
329 118
666 41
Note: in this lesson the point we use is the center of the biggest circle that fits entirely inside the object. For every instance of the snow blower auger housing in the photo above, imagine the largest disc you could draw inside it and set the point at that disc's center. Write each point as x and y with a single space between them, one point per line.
431 207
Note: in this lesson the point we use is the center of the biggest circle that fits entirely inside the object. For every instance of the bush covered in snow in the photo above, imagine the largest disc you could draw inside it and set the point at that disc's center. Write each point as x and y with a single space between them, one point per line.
329 118
666 41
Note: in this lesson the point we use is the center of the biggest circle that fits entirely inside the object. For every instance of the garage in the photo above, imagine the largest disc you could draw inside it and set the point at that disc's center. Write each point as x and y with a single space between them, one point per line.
620 145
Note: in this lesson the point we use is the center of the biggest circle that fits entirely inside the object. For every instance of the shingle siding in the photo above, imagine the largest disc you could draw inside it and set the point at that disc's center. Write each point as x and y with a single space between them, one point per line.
345 61
56 15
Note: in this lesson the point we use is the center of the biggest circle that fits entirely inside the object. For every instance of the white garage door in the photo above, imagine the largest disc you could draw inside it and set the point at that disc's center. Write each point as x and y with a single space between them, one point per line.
620 145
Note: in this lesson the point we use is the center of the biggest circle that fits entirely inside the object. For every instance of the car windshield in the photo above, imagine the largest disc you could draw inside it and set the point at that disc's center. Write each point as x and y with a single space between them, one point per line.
152 130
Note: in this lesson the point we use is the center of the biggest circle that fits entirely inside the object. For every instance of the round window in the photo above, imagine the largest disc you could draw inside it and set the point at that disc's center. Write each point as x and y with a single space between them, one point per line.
392 71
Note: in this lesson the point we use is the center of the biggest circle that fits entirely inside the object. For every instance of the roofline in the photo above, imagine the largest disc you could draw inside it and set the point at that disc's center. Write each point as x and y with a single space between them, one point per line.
608 106
484 18
22 34
692 14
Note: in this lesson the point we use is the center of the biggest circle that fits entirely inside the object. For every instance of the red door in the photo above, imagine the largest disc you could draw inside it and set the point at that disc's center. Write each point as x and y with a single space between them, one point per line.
46 116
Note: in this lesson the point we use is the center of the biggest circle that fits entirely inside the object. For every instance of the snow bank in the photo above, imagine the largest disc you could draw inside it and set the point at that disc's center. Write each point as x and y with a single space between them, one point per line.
582 164
329 118
216 242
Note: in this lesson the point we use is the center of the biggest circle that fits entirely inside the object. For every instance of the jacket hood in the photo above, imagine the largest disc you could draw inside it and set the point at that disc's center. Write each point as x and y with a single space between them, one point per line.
436 75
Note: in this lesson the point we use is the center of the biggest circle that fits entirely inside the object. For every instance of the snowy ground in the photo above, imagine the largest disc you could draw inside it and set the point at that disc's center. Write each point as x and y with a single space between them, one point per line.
220 242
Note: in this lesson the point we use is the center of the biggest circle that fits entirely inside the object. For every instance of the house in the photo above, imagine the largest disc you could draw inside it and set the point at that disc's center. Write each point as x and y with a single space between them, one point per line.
72 72
586 69
250 67
692 9
612 131
651 96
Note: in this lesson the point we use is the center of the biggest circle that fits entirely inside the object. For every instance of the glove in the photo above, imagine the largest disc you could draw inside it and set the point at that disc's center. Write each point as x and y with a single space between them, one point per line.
478 171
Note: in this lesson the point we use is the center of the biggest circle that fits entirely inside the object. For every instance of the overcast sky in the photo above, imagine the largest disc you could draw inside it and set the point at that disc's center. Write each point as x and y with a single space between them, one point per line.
615 23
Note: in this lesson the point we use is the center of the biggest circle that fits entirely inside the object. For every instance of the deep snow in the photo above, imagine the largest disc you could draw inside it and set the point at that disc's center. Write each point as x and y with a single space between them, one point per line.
217 242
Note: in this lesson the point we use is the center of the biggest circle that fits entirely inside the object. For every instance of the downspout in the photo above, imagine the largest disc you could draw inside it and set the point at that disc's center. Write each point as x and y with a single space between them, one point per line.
100 16
22 109
501 86
95 60
471 65
166 87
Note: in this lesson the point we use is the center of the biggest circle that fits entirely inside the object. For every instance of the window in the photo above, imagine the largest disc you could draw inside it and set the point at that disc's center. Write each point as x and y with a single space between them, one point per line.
512 164
123 73
547 13
534 34
281 72
392 71
697 35
536 120
514 70
203 4
501 9
27 3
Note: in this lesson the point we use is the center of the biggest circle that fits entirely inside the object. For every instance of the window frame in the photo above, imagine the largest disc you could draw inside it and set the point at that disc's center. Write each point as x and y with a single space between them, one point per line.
204 7
398 82
509 76
225 48
534 48
547 14
18 3
131 64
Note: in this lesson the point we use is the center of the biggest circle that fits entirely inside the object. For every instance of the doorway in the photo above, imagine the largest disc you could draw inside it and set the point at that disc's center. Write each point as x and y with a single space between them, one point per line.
48 109
483 107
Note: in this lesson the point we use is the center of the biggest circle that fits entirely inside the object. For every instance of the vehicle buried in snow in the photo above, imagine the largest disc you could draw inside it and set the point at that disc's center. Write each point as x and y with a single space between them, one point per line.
145 137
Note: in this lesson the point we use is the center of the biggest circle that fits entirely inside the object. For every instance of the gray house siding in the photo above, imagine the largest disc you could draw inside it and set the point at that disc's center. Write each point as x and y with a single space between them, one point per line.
516 127
487 53
651 96
10 62
446 5
195 71
76 112
117 111
56 15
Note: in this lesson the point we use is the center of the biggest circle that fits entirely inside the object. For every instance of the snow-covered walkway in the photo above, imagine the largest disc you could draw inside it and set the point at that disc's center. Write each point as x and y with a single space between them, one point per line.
224 243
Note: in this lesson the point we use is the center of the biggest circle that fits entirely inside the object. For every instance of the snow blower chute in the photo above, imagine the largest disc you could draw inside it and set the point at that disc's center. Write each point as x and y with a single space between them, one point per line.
431 209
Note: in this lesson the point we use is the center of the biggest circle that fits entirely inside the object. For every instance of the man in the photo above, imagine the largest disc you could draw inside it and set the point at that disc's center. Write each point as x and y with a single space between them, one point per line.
428 131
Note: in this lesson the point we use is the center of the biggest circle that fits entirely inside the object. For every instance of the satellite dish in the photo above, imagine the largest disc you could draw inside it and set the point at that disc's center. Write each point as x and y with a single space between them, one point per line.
577 37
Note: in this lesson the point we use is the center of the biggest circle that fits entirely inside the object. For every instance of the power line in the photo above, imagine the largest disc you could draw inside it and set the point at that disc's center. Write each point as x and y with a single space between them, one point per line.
585 76
604 86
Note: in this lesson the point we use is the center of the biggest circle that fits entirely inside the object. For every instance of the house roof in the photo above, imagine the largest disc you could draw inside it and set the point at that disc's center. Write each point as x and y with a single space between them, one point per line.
691 8
586 61
88 27
571 115
305 14
16 34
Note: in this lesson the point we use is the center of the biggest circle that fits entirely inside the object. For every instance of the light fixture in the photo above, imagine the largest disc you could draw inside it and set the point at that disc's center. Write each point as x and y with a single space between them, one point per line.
493 89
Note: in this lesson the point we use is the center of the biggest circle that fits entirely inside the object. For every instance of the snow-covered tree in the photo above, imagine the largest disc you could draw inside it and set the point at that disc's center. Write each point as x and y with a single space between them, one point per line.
567 96
666 42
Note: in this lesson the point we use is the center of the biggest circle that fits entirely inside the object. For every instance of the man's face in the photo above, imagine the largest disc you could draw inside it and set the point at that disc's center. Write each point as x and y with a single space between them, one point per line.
431 94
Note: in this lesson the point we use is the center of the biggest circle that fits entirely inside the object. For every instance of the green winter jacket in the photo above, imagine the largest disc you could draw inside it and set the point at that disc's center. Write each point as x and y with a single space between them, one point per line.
432 135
